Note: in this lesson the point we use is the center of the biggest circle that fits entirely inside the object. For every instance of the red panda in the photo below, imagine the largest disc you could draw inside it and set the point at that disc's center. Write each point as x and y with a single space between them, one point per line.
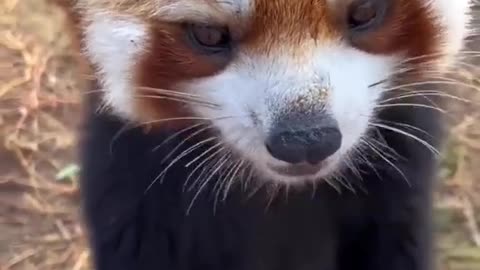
326 101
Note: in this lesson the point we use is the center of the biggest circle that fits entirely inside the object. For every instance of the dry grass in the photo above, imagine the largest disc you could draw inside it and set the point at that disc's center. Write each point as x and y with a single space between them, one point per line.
39 217
39 108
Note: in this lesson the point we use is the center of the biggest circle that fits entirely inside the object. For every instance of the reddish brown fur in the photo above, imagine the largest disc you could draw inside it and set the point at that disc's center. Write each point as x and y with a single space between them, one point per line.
168 61
286 24
275 25
282 24
409 28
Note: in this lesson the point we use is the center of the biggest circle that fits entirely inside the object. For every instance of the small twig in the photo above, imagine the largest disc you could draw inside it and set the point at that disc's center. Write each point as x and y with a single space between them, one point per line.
63 230
459 179
20 258
469 213
82 260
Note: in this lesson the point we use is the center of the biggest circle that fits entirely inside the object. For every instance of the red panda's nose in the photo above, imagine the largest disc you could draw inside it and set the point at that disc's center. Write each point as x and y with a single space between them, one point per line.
304 139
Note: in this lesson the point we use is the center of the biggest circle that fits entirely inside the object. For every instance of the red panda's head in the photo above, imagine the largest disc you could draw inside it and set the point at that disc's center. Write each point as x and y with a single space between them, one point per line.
282 81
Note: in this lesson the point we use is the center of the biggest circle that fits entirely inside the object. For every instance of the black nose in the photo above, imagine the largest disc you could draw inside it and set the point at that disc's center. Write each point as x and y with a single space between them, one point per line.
304 139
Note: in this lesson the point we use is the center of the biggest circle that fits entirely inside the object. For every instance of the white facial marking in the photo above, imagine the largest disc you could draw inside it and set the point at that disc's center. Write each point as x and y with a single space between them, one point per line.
255 89
266 87
203 10
114 45
454 16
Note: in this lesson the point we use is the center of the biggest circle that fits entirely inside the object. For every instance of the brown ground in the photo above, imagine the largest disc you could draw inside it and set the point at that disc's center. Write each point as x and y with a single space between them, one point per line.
39 114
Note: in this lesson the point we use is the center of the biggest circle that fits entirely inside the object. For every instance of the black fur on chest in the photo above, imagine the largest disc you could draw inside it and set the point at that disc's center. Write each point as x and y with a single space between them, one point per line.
384 224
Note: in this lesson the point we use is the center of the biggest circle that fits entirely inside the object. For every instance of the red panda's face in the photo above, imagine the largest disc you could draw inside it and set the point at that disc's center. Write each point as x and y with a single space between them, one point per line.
290 85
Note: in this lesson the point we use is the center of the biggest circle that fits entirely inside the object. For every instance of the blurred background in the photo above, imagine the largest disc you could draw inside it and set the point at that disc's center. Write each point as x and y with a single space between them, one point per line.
40 115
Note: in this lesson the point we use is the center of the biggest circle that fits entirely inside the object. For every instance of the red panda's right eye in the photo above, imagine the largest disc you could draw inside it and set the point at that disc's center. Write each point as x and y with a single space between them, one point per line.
362 14
209 38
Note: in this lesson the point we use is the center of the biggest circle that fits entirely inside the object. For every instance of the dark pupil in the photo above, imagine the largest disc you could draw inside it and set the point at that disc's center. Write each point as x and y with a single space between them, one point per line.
208 36
362 14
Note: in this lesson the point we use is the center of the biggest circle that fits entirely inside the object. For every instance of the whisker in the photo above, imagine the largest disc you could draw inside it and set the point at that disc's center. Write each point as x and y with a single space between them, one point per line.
454 83
176 134
181 100
332 182
406 126
365 159
232 178
167 91
204 161
399 131
391 105
259 186
194 134
343 181
378 152
420 57
226 158
424 93
423 69
378 83
248 179
392 154
117 135
222 181
199 157
183 154
93 91
273 192
223 177
185 141
130 125
350 165
209 167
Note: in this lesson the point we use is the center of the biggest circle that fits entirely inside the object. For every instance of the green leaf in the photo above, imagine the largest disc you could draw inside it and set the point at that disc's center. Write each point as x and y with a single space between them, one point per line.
67 173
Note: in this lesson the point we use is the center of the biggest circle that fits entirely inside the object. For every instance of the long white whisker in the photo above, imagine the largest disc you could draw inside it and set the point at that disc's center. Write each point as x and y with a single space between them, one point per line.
423 94
226 158
166 91
365 159
399 131
439 82
391 105
406 126
182 100
212 164
222 181
378 152
178 133
205 160
185 141
183 154
232 178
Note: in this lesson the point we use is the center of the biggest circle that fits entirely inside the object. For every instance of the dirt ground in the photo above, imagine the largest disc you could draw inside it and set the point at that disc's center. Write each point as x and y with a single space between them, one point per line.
40 113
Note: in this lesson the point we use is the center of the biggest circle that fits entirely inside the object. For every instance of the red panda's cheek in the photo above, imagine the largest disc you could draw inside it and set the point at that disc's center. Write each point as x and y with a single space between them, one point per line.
166 62
410 28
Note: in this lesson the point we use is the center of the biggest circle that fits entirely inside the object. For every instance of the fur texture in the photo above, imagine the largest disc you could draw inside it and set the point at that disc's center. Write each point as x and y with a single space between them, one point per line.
198 190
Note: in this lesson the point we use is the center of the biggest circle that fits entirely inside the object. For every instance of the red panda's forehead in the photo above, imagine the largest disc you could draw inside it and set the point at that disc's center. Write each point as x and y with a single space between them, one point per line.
266 25
286 23
409 27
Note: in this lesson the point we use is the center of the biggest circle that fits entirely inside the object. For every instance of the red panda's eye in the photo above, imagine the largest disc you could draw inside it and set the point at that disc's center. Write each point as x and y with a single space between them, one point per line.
362 13
214 39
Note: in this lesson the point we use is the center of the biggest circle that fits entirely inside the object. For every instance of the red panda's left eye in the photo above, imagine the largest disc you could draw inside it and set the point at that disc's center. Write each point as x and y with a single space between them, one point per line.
209 38
361 13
